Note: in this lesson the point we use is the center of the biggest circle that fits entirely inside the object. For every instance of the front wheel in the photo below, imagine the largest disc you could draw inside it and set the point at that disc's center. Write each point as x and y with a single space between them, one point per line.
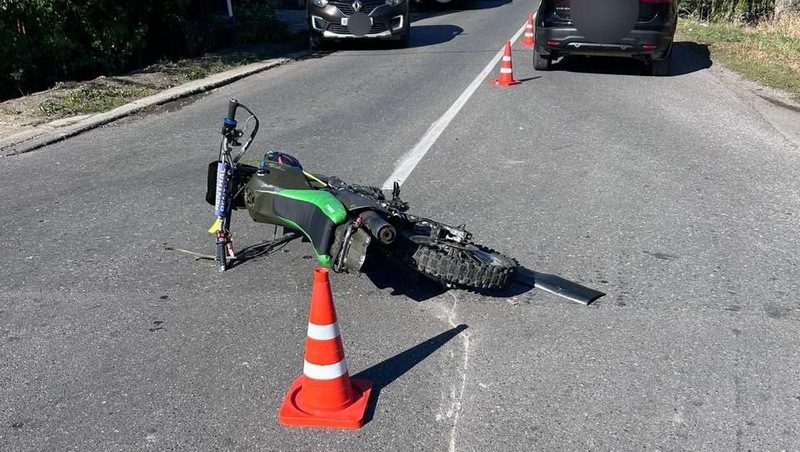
315 41
405 36
221 255
466 265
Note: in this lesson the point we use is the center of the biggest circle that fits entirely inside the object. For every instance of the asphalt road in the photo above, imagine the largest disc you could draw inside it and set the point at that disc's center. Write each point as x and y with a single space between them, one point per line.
672 195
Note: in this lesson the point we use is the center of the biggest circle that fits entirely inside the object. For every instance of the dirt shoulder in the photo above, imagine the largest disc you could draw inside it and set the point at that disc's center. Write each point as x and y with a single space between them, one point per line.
768 53
69 102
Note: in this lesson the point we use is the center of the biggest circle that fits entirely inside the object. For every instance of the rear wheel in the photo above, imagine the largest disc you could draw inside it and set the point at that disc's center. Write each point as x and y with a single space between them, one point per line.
660 68
467 265
540 62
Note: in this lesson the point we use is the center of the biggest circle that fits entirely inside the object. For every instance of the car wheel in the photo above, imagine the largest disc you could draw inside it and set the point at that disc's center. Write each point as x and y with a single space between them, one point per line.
540 62
315 41
405 38
660 67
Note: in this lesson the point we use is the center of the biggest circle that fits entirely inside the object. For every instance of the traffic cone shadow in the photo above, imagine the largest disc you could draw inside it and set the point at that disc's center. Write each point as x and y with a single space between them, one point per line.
389 370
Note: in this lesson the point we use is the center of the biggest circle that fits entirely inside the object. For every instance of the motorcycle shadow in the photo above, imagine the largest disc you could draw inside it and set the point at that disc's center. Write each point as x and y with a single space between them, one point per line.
387 274
403 281
263 249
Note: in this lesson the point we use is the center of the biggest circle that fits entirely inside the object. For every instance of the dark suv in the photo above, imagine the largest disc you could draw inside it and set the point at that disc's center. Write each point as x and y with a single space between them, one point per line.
330 20
606 28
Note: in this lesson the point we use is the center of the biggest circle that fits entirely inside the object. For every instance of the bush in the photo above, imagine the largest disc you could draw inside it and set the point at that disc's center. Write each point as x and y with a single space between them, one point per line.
747 11
256 22
46 41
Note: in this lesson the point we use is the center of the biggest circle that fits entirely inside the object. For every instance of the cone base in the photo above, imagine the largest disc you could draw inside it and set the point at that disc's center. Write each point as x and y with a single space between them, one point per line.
505 83
527 44
351 417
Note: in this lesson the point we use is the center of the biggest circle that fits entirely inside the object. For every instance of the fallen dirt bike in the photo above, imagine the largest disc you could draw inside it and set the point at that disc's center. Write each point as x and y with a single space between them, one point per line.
346 223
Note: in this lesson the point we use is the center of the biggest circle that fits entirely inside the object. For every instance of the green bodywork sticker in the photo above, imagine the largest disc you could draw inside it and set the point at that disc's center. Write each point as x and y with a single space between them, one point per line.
327 203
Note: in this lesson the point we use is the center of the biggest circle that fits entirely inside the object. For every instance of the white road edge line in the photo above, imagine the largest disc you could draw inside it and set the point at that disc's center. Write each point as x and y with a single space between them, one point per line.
411 159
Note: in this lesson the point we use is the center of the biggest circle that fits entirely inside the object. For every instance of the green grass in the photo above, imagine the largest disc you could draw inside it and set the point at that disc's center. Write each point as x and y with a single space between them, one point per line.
199 68
91 100
770 56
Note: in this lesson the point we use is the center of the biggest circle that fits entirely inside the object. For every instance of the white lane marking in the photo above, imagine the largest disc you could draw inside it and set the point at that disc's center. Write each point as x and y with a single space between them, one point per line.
409 161
328 372
323 332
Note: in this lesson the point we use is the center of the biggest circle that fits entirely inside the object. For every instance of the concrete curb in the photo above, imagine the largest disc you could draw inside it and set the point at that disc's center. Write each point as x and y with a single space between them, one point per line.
45 134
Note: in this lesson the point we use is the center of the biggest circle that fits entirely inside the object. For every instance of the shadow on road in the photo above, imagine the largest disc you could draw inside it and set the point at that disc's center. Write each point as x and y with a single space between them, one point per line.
421 36
687 57
263 249
389 370
428 35
386 273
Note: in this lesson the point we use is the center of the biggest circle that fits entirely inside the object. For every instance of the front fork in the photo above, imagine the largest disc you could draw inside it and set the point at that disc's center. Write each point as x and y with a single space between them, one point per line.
221 227
224 250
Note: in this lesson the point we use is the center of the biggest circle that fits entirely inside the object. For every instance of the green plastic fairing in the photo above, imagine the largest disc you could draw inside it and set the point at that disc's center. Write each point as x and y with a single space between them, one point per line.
327 203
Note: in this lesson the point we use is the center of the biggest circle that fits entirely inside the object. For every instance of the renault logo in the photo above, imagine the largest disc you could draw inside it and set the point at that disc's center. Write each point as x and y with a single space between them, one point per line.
357 6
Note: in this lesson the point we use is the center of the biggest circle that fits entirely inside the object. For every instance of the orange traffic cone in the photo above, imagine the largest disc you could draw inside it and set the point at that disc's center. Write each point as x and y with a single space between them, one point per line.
528 40
506 76
324 396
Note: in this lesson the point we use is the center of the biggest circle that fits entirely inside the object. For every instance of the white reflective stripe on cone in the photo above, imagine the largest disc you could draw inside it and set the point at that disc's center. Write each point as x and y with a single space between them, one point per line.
505 70
506 58
328 372
323 332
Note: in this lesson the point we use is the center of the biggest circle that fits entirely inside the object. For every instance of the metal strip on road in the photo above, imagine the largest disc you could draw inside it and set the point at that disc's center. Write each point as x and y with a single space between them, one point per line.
411 159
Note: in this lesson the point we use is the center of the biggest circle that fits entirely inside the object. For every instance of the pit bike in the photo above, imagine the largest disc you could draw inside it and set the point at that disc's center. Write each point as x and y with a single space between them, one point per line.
345 223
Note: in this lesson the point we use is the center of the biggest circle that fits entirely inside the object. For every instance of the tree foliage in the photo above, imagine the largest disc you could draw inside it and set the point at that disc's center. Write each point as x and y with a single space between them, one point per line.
45 41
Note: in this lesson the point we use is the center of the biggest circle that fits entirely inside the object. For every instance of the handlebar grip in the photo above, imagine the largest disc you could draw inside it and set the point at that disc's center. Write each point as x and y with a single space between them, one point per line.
233 104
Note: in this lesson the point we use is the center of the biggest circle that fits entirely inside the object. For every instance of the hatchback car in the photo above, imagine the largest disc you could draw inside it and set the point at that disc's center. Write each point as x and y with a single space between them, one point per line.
642 29
330 20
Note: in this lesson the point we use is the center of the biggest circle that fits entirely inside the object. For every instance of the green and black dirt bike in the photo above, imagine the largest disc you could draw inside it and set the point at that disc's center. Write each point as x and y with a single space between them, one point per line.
345 223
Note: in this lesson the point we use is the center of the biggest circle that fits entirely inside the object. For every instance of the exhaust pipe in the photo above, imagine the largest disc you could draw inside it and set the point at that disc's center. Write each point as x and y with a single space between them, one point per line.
378 227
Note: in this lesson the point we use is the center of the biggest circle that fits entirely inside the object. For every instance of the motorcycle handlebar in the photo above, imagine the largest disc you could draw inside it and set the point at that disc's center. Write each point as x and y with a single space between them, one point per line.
233 104
231 133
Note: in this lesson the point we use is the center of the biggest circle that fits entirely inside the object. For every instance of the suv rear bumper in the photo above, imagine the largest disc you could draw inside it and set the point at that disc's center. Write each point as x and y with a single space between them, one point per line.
638 43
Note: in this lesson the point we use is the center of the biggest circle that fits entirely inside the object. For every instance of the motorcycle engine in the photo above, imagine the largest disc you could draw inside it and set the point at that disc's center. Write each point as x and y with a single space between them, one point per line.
355 248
